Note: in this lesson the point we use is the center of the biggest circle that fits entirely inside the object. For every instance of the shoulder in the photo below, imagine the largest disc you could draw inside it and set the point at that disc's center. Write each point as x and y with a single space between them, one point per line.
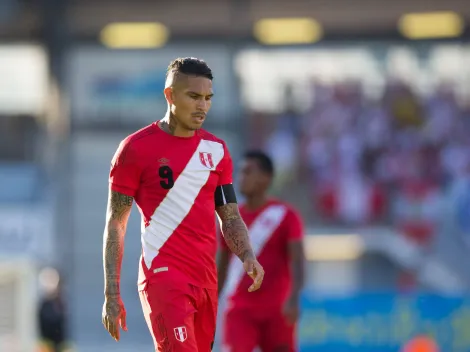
291 213
210 137
139 139
134 144
215 144
292 224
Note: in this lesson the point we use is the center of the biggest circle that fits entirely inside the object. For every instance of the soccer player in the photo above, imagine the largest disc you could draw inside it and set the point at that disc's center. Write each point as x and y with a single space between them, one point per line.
266 318
179 175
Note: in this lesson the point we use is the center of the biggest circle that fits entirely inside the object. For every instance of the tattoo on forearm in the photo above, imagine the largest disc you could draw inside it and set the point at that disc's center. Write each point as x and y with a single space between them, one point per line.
119 208
235 231
113 253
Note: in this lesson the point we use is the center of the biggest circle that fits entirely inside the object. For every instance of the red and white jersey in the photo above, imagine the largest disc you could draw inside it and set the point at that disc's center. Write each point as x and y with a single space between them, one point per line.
173 180
271 228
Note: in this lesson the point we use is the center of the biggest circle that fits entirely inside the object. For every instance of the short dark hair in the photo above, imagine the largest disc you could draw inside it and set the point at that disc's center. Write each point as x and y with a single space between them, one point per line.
265 163
190 66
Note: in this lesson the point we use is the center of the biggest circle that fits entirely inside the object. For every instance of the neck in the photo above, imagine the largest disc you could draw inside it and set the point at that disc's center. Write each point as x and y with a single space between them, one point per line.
170 125
255 202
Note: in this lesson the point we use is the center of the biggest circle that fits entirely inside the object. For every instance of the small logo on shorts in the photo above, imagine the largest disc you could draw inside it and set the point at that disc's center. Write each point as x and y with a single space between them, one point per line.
181 334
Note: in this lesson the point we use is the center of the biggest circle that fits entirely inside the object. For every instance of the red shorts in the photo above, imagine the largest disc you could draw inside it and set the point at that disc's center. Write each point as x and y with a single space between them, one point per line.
246 328
181 317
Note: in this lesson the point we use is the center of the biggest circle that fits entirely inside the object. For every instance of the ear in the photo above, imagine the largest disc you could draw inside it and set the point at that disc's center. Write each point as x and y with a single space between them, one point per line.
268 180
168 92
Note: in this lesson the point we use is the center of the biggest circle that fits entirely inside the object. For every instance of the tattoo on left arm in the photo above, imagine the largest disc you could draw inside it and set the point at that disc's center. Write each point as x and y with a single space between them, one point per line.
117 215
235 231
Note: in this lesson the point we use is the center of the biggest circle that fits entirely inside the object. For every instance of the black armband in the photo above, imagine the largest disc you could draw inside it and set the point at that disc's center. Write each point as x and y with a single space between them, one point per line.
225 194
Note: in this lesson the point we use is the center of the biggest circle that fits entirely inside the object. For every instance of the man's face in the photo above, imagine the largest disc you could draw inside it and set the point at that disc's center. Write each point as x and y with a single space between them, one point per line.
191 99
251 179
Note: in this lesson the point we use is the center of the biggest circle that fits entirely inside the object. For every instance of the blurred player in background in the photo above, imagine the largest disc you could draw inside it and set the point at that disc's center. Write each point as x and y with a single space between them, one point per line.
268 317
52 313
179 175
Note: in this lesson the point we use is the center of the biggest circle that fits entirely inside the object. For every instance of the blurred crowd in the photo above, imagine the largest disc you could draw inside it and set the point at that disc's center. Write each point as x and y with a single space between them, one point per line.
393 160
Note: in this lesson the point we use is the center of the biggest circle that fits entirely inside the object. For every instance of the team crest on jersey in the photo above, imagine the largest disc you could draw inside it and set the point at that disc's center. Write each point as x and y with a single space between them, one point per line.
181 334
206 159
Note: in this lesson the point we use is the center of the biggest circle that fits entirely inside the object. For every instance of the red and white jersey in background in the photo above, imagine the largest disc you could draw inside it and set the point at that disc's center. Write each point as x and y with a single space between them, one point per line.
173 180
271 228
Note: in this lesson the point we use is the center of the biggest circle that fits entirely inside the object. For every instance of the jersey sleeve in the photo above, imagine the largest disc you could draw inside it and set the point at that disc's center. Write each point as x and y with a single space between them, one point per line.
226 174
124 176
294 226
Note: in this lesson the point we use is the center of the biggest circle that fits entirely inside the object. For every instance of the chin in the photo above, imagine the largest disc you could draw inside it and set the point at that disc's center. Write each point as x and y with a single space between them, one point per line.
196 127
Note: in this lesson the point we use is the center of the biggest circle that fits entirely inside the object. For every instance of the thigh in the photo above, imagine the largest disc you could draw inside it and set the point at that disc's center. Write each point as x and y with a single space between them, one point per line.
169 312
277 335
240 332
206 318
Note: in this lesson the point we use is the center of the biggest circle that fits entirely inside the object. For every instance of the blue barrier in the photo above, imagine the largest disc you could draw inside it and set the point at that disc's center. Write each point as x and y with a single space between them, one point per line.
383 322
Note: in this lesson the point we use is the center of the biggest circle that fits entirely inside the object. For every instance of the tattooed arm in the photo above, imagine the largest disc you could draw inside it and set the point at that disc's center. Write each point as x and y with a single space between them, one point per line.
117 215
236 236
119 209
235 231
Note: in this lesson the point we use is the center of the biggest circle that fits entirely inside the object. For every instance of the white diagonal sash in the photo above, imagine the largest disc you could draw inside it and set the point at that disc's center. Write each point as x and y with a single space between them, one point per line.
260 232
179 200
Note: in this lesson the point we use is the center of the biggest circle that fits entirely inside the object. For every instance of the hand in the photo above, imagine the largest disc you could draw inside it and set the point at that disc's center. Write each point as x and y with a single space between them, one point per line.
255 271
114 316
291 310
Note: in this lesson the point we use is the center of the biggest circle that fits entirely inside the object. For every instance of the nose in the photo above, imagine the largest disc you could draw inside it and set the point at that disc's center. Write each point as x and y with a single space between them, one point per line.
203 105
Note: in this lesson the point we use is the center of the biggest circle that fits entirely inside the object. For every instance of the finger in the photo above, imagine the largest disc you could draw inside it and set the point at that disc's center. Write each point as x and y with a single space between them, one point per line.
106 323
259 276
254 286
257 281
112 329
108 326
123 321
249 269
115 331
